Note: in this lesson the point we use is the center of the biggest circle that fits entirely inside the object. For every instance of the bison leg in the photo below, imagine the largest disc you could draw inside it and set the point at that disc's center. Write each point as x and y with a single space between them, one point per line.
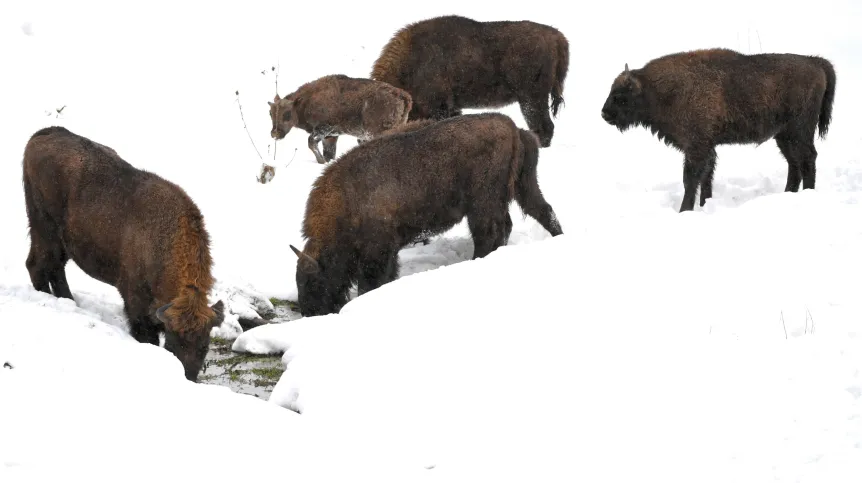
706 184
136 303
377 270
538 118
508 230
789 149
801 156
46 263
312 145
809 168
532 202
488 234
329 147
695 168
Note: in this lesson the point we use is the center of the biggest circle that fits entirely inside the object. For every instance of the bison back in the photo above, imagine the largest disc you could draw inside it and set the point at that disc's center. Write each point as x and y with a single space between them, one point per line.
483 63
103 208
427 179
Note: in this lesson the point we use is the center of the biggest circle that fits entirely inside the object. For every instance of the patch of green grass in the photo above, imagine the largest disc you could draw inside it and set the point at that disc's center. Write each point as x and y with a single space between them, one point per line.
220 342
290 304
268 372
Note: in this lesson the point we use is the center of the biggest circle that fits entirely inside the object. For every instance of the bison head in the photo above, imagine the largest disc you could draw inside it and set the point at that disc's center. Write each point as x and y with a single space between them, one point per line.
318 295
625 105
189 345
283 116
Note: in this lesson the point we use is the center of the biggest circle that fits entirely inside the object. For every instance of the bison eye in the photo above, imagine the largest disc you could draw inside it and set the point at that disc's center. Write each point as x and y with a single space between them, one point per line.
286 116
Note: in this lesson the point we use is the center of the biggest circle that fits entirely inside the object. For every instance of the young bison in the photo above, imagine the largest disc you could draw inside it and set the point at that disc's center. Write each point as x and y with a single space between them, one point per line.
697 100
452 63
336 104
405 186
125 227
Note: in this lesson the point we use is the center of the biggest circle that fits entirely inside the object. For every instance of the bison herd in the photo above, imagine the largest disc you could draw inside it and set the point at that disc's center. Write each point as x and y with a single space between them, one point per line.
420 167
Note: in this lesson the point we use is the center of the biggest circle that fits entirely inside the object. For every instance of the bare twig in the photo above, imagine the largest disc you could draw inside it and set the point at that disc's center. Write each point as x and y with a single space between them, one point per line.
245 126
760 44
275 143
276 74
291 158
749 40
783 324
812 319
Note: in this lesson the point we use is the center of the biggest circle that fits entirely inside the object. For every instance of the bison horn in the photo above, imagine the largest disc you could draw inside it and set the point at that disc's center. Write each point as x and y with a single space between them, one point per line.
160 313
218 308
627 68
307 264
295 250
270 103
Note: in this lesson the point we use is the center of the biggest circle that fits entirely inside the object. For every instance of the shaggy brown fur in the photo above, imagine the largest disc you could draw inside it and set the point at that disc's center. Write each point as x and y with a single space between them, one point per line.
336 104
697 100
452 63
402 187
125 227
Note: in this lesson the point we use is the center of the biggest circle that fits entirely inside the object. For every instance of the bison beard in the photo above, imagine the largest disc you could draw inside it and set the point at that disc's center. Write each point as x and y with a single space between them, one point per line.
695 101
125 227
451 63
409 184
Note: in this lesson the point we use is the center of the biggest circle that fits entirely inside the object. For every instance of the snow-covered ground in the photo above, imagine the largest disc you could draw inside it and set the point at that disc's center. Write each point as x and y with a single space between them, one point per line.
644 344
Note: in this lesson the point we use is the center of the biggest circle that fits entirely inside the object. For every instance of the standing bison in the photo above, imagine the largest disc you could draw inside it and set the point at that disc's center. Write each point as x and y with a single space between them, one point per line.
697 100
416 181
125 227
452 63
336 104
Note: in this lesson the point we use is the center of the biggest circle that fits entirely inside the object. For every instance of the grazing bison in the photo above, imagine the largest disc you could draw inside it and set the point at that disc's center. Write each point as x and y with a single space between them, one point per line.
405 186
125 227
336 104
697 100
452 63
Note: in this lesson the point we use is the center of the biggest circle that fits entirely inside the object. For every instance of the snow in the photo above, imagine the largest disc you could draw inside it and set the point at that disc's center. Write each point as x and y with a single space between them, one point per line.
644 344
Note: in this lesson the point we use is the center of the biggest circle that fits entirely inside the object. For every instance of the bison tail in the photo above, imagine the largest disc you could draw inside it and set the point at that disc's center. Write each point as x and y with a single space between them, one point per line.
828 98
529 161
560 75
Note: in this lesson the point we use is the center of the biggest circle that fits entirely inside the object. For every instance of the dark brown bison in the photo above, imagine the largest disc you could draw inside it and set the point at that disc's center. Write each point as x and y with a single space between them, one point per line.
452 63
697 100
125 227
336 104
405 186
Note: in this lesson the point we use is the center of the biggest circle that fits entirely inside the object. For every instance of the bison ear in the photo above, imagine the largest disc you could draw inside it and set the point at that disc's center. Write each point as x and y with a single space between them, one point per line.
307 264
160 314
270 103
218 308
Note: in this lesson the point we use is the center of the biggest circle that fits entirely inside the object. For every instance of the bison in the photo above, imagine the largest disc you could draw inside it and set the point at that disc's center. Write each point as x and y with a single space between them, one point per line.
125 227
336 104
695 101
404 186
452 63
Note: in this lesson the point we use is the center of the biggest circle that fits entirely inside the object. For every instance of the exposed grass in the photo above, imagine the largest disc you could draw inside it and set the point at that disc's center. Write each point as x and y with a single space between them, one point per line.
290 304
